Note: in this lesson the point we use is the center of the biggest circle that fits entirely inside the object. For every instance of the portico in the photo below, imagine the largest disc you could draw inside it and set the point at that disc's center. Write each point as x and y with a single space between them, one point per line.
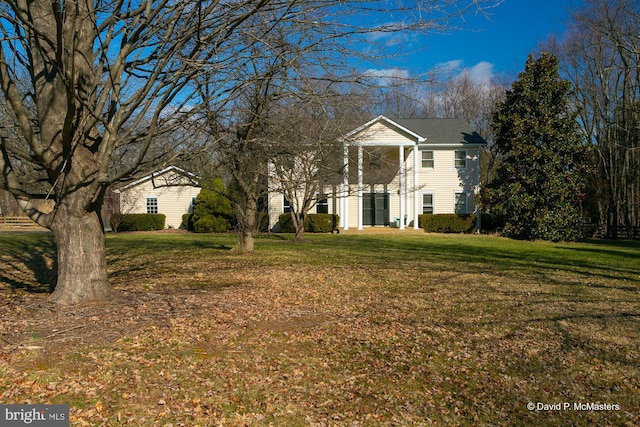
385 134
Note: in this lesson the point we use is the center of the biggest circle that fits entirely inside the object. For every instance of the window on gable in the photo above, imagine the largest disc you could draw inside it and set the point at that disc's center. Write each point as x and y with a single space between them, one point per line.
461 159
427 159
427 203
286 206
461 203
152 205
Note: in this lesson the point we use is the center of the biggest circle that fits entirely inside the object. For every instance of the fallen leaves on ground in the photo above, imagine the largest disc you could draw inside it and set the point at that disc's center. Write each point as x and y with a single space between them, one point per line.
297 344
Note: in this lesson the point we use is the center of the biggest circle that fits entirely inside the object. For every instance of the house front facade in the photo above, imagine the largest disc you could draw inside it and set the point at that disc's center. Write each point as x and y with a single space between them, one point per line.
397 169
170 191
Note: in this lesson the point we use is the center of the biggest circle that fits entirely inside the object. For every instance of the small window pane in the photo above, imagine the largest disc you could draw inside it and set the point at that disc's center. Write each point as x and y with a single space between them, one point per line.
461 203
152 205
427 203
427 159
461 159
322 206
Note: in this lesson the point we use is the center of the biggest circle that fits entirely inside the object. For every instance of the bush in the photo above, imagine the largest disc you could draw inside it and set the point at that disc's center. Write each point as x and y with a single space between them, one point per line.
447 223
263 222
187 222
490 224
212 212
320 223
211 224
137 222
313 223
286 224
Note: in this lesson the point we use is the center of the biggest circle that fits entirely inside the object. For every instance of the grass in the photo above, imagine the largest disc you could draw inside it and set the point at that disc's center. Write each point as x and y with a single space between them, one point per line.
349 329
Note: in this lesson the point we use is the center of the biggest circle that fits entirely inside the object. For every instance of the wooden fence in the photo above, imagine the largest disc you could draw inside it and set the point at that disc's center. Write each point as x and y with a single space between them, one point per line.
17 222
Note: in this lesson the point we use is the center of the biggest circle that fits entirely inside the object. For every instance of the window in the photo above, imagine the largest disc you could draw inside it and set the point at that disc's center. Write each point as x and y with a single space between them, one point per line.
322 205
193 204
461 159
427 203
461 203
286 206
427 160
152 205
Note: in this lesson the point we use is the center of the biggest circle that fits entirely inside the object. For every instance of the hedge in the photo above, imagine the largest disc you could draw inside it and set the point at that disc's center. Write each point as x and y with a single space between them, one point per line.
211 224
447 223
286 225
137 222
313 223
321 223
456 223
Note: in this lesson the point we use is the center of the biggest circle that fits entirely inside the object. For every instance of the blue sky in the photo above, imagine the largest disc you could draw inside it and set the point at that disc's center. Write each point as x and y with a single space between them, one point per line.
498 45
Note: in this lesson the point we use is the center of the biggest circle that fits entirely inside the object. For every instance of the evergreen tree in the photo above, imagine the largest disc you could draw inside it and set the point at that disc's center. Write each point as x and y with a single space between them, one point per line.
212 211
538 189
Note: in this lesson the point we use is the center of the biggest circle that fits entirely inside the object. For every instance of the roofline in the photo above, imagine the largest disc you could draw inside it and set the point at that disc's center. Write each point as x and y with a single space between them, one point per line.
154 174
453 144
419 138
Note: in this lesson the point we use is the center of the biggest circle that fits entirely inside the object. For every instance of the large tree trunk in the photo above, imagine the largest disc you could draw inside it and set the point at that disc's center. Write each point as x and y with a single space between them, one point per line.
298 225
246 241
246 214
82 263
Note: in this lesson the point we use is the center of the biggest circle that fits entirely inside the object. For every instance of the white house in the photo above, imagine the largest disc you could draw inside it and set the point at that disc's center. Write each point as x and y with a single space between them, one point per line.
397 169
171 191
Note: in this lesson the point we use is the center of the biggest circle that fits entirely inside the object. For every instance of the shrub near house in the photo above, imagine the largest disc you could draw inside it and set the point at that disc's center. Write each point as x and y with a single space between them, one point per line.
455 223
212 211
313 223
137 222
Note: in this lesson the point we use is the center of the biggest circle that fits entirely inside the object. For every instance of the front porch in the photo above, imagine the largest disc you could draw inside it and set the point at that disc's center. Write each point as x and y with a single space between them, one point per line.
386 188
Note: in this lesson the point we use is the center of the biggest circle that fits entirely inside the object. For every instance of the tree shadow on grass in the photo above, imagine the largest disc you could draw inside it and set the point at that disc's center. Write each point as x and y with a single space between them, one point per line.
29 262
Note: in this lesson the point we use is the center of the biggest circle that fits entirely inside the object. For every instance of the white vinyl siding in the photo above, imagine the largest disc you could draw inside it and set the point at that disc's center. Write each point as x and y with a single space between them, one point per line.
171 201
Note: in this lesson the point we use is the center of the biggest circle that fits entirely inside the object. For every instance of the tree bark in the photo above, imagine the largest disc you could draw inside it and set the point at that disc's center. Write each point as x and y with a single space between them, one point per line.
247 227
82 262
246 241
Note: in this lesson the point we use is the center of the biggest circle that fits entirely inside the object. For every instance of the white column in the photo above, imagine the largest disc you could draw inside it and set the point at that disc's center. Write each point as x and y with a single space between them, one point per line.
476 208
416 193
360 179
402 192
344 217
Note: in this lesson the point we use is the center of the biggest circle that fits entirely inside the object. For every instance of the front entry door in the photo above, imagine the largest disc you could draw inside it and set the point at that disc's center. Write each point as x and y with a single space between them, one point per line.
375 209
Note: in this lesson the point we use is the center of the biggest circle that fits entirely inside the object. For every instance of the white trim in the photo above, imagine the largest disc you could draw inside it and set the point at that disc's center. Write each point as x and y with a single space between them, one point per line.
156 174
415 187
466 201
419 139
402 192
360 181
156 204
465 145
455 159
433 201
344 213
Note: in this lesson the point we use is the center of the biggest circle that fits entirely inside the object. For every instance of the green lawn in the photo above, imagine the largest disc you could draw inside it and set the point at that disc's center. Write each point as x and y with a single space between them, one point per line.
350 329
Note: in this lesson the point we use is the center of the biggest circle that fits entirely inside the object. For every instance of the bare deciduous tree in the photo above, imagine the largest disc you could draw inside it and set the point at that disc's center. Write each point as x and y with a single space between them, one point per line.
91 85
296 93
88 83
601 56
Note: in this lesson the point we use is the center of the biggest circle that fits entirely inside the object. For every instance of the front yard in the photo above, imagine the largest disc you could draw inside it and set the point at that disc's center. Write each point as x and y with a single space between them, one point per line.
349 329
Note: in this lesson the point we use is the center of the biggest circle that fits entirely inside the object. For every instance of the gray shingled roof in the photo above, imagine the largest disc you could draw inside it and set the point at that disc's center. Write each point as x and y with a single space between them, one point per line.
442 131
